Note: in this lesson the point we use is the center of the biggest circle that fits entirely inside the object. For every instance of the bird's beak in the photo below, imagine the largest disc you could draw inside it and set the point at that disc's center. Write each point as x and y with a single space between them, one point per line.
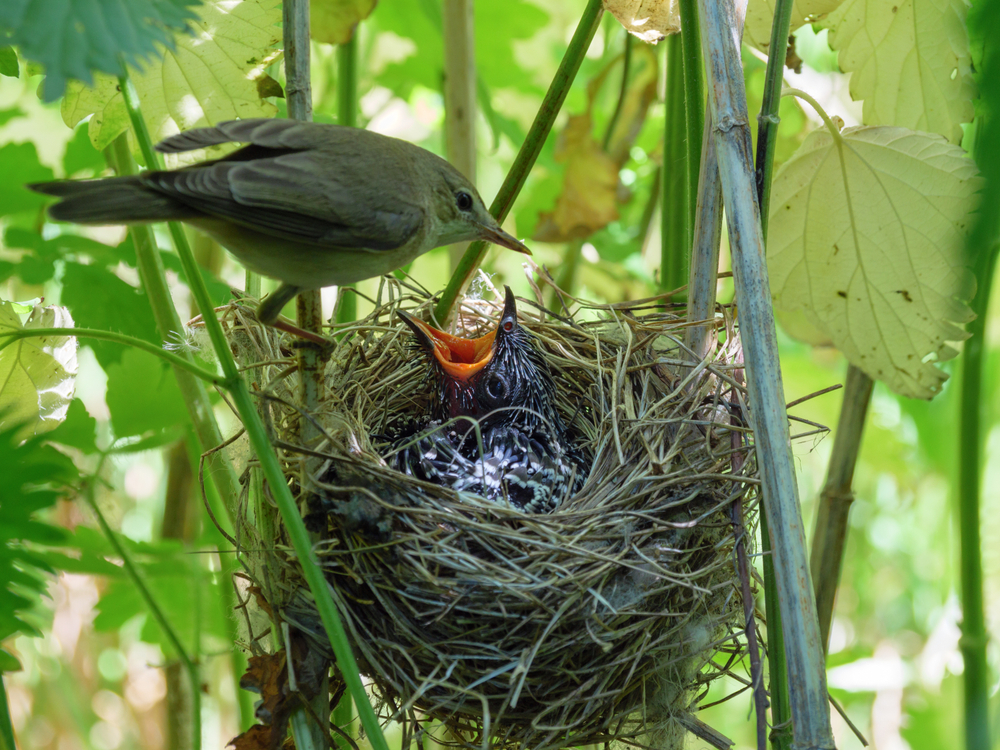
493 233
459 357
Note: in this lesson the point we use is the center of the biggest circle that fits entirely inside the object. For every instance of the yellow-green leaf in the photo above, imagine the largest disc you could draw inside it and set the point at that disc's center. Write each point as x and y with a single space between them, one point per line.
909 60
760 15
37 375
212 76
865 241
334 21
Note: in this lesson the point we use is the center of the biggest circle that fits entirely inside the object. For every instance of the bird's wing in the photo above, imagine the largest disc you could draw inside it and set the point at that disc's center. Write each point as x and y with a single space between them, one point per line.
295 181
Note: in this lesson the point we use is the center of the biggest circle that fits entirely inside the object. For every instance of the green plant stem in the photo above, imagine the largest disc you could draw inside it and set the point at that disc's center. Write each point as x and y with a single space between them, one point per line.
532 146
976 673
9 336
767 132
270 466
694 104
154 609
781 733
767 120
343 714
168 323
830 531
768 416
7 741
347 115
675 248
622 92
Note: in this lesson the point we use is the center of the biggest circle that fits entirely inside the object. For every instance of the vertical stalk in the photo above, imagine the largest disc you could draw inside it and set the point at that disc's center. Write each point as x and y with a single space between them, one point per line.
975 676
781 712
526 157
261 447
830 531
767 120
767 133
694 104
803 650
674 233
458 29
168 323
7 741
347 115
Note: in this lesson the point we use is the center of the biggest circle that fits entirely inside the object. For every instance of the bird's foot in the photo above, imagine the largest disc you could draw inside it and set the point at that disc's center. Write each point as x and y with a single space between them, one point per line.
324 344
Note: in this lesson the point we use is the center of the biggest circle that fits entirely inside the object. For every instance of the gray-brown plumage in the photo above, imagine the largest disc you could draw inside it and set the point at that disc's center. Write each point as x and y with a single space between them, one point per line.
309 204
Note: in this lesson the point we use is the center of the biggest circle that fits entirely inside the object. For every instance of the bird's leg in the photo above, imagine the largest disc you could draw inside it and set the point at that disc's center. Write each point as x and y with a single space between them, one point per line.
269 310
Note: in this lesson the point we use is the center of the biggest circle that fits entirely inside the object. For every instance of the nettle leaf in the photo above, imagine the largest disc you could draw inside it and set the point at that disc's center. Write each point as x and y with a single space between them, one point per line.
38 374
99 299
73 38
77 430
81 156
334 21
865 243
143 395
30 474
760 16
21 166
8 63
909 60
208 77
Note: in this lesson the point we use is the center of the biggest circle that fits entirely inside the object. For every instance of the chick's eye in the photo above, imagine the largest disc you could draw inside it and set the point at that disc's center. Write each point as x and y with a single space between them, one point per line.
463 200
496 387
508 325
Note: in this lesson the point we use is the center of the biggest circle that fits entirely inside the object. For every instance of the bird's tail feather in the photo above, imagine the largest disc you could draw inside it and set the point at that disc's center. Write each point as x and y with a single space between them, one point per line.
112 200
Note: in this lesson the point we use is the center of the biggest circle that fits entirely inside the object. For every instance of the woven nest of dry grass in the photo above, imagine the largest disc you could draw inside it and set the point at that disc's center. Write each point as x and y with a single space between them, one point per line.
600 621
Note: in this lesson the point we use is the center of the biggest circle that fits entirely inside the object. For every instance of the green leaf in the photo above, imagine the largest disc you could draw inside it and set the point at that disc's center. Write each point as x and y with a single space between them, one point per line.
21 159
81 156
334 21
143 395
8 662
77 430
910 62
73 38
99 299
8 62
205 79
37 374
866 240
29 473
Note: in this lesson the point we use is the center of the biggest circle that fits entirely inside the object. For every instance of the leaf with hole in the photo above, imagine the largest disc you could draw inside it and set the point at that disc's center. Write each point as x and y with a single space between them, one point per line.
865 240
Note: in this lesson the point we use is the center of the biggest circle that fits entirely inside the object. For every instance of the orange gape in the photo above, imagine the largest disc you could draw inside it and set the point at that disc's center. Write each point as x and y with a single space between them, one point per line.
460 358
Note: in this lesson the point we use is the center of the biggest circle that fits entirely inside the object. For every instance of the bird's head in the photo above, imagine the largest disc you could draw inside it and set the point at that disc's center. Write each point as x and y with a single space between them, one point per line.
460 213
500 377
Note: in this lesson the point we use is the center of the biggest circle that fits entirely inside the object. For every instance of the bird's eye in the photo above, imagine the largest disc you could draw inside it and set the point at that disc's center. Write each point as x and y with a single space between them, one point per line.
508 325
496 388
463 200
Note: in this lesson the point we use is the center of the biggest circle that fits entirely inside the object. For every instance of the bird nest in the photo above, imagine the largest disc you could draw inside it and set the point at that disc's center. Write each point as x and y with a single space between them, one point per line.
600 621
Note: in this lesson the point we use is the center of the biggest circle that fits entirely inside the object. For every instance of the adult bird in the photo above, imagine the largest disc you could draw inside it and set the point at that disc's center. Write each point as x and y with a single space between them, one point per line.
308 204
493 427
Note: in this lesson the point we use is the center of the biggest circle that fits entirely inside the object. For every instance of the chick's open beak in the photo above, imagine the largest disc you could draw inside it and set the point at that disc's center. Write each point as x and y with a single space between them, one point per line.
459 357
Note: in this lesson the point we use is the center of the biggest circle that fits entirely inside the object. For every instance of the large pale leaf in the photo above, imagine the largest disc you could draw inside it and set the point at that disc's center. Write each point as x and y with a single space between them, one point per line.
865 242
37 375
909 61
760 16
215 75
